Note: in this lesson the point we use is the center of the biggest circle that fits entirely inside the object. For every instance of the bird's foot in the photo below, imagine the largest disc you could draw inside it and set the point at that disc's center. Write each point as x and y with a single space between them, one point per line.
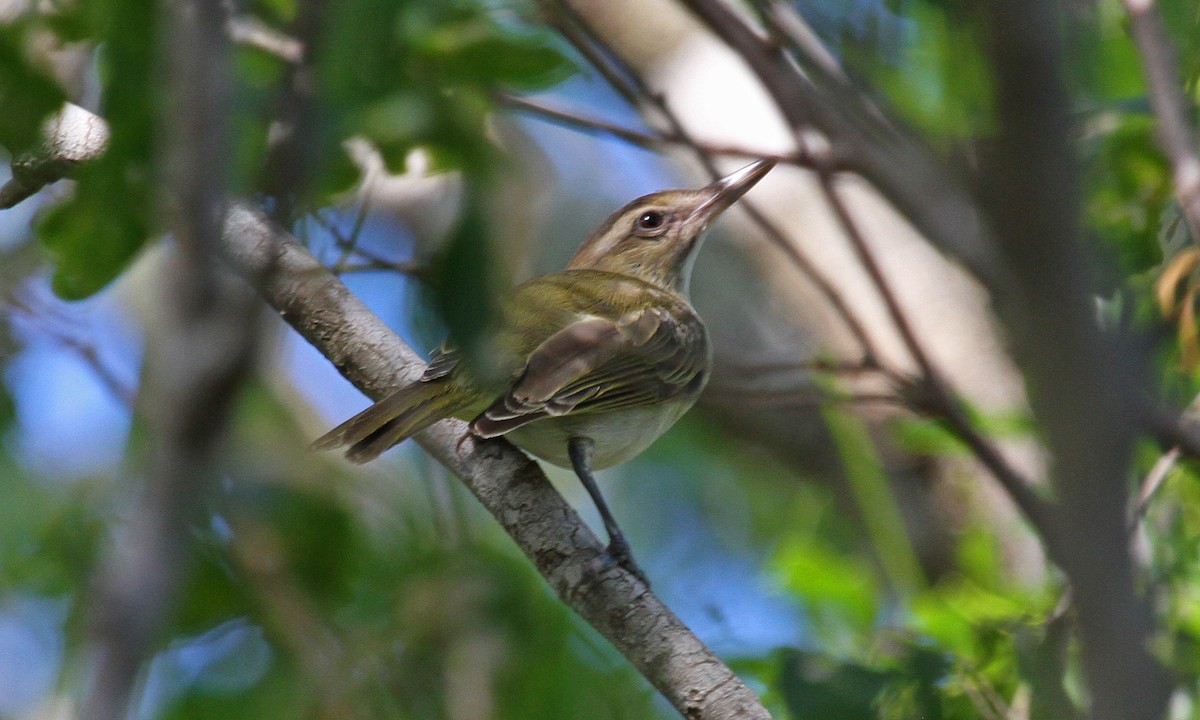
618 551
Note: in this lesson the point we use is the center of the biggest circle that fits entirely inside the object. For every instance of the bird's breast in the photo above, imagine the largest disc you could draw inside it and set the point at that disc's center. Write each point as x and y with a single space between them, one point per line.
619 435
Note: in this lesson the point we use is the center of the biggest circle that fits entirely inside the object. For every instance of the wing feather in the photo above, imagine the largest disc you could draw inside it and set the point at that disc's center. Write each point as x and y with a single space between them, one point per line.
596 364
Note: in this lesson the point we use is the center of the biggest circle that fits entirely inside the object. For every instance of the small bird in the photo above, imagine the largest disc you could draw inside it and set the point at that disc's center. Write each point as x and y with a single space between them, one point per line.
587 367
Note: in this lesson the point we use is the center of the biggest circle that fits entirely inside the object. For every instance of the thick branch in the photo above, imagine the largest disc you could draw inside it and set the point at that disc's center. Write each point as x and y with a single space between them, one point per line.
194 363
1084 385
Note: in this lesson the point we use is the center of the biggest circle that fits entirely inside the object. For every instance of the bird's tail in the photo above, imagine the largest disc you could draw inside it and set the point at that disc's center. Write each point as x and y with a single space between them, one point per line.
394 419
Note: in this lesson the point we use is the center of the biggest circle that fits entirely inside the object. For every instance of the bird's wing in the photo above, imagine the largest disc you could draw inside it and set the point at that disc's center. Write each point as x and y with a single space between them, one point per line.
441 363
646 356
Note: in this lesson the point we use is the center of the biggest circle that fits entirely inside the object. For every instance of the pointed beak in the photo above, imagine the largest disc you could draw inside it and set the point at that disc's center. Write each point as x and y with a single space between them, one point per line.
719 195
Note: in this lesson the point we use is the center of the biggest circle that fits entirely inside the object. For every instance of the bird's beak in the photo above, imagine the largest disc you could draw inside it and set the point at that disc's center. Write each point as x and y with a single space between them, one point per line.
719 195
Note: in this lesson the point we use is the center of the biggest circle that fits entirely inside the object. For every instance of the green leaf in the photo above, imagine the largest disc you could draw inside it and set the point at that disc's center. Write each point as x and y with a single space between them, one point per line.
921 436
868 481
512 61
28 94
92 236
840 592
816 688
464 283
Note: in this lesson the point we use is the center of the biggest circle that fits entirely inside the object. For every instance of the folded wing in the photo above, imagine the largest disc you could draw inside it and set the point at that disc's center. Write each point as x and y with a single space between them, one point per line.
596 364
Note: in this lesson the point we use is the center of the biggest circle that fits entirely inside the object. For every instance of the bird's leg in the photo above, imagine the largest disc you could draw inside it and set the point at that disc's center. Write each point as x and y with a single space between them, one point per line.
581 450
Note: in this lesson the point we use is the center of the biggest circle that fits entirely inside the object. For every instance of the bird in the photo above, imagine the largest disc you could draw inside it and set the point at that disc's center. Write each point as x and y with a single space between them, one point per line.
586 367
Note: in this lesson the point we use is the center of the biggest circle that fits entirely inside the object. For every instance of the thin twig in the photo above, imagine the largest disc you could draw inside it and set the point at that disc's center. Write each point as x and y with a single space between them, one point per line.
250 31
798 398
1151 484
824 365
940 399
417 270
1175 133
639 94
258 557
125 393
649 140
917 181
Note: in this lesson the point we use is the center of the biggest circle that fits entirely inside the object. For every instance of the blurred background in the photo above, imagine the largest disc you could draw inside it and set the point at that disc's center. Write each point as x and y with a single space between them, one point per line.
849 557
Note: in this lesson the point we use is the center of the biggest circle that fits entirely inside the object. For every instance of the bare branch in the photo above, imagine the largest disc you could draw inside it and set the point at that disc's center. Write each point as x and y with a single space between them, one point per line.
923 188
121 390
73 136
1151 484
938 398
1175 133
250 31
1084 386
650 141
639 94
195 365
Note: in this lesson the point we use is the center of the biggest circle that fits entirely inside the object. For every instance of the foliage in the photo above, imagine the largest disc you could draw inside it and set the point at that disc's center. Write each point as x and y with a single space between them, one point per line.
320 593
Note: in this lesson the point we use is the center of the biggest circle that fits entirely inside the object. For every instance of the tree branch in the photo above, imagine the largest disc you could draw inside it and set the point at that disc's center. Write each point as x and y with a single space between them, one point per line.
901 166
195 362
938 397
510 485
73 136
638 93
1175 134
1084 385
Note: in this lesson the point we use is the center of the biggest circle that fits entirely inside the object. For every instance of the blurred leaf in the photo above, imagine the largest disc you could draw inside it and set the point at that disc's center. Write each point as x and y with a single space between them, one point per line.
902 682
1042 655
47 539
880 513
93 235
8 406
420 75
817 688
1127 183
1179 276
490 58
28 94
841 593
939 80
465 286
922 436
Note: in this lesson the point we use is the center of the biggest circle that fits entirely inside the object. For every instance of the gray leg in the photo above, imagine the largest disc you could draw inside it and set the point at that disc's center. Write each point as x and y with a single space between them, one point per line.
581 450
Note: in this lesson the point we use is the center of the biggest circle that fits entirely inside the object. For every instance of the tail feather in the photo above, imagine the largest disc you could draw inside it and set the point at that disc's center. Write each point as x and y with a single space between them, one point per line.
392 420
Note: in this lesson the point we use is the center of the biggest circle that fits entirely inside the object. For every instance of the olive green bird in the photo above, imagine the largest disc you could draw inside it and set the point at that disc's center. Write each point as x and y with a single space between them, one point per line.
590 365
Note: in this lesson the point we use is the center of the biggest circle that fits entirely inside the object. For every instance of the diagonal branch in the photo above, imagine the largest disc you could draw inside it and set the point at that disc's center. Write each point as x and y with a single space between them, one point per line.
901 166
1175 133
639 94
510 485
805 106
938 395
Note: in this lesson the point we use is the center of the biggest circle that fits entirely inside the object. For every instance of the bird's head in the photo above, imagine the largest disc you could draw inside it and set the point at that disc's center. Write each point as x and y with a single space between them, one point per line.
655 238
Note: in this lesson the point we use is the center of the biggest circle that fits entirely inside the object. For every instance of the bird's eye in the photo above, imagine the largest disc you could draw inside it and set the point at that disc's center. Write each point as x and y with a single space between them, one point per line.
651 222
